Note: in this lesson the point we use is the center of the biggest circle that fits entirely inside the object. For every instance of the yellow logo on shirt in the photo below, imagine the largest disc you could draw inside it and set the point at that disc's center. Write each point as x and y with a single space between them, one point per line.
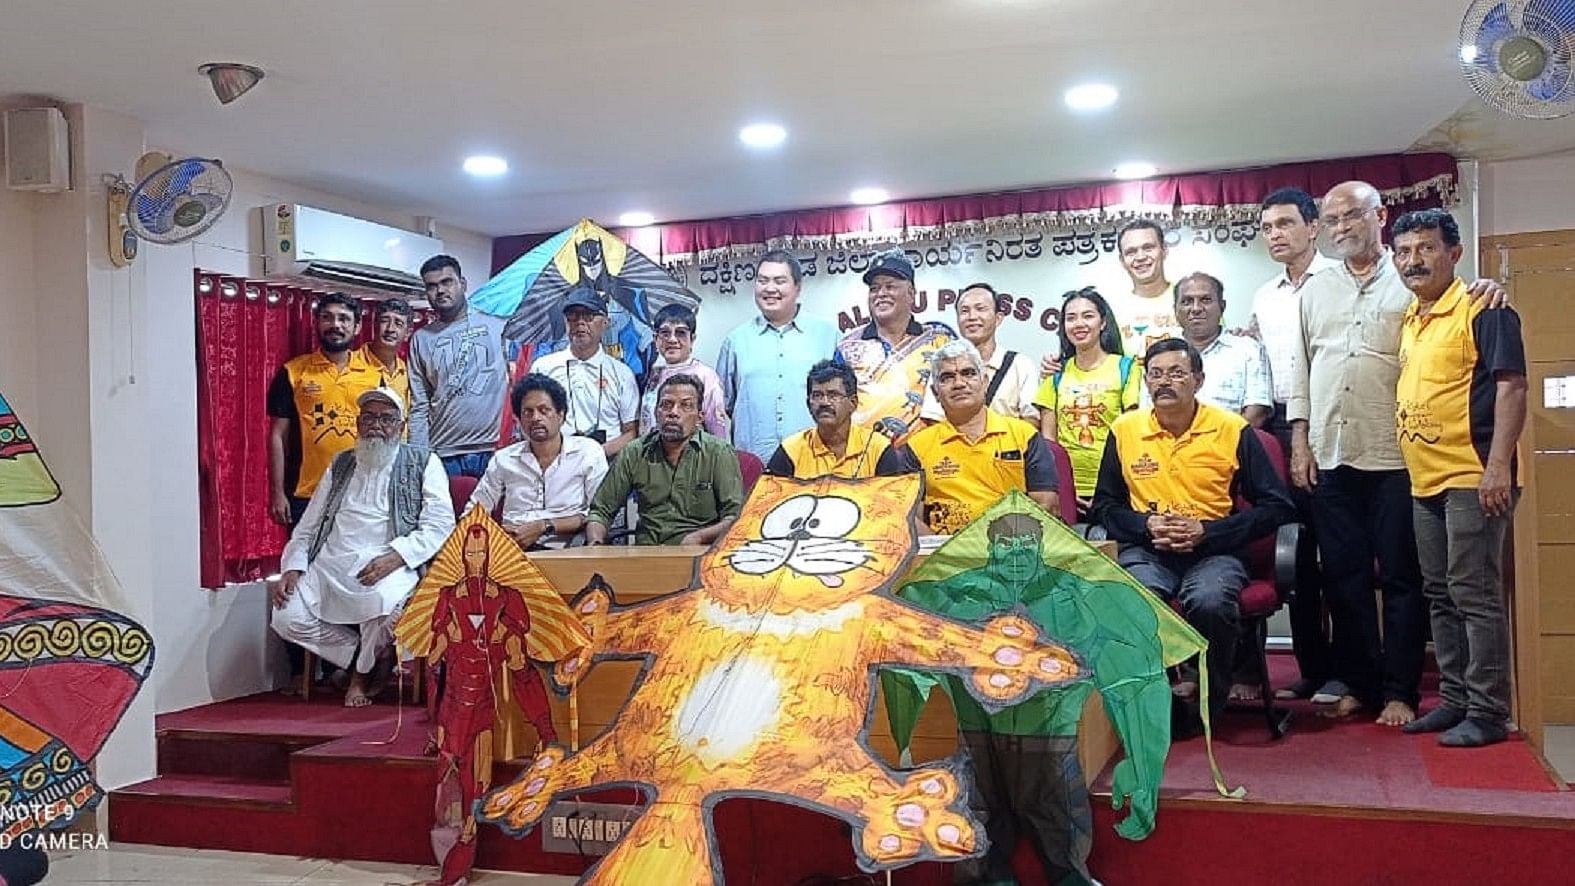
1145 466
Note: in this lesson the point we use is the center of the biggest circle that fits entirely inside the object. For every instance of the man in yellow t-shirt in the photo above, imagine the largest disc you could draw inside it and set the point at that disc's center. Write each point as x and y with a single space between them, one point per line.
975 455
835 446
316 393
392 320
1461 406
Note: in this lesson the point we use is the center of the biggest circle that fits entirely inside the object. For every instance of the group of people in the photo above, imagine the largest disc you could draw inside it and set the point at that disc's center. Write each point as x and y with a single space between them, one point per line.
1397 391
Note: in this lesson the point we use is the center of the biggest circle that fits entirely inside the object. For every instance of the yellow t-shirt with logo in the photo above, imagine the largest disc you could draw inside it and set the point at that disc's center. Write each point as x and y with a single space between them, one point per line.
326 408
963 478
1188 475
1085 403
1447 390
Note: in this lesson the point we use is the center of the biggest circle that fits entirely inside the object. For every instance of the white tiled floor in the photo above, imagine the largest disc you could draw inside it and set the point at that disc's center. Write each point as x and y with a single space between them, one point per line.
1558 746
126 864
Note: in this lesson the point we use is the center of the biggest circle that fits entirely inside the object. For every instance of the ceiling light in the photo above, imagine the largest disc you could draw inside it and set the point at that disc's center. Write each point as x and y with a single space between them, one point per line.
1135 170
1091 97
485 166
229 80
1468 53
762 135
869 196
636 219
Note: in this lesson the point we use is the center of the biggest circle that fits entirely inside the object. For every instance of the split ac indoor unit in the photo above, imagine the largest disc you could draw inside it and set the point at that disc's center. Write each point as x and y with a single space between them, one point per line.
343 251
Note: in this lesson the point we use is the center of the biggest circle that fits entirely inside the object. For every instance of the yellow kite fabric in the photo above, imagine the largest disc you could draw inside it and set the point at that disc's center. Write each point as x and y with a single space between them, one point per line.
759 679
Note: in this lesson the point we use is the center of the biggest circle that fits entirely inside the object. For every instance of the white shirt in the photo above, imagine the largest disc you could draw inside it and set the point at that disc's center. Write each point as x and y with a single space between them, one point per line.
1236 374
602 392
1014 398
328 584
529 492
1344 383
1145 320
1274 308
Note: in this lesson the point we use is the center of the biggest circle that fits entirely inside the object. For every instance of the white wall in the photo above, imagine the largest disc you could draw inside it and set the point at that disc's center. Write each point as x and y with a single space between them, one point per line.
1537 194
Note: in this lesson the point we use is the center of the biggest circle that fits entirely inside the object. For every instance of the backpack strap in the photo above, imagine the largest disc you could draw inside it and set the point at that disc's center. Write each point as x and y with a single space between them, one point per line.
995 383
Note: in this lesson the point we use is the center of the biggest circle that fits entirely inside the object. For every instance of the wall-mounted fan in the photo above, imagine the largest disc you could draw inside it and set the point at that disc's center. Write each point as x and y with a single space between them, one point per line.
1516 54
172 201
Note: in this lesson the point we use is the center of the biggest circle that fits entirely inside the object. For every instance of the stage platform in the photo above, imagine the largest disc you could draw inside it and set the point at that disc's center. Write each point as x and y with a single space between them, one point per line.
1332 802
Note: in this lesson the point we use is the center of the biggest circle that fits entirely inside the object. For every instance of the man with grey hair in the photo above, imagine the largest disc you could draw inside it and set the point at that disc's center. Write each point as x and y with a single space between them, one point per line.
975 455
381 511
1344 448
890 354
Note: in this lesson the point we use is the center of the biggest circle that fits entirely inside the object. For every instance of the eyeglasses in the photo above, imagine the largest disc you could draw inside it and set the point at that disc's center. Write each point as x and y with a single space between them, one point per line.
1168 374
678 334
386 419
826 396
1349 217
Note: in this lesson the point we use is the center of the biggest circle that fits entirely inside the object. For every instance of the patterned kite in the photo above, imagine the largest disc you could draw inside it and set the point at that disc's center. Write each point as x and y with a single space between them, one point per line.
481 611
531 291
69 664
758 682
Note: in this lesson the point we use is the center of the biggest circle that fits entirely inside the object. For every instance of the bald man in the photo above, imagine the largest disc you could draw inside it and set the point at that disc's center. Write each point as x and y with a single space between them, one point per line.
1344 450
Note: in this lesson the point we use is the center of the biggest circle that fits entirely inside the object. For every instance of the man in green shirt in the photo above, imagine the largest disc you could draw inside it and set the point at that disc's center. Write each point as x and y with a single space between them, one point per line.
1026 771
686 482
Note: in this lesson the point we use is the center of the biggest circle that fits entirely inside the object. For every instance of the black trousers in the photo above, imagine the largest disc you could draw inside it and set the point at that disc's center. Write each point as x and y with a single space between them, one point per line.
1308 640
1033 785
1362 517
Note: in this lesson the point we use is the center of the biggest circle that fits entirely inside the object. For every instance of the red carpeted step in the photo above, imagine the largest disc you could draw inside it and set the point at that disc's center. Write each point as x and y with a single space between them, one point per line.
210 790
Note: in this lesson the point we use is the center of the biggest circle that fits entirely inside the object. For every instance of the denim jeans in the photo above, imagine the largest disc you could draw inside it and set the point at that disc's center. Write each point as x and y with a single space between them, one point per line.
469 464
1461 550
1209 590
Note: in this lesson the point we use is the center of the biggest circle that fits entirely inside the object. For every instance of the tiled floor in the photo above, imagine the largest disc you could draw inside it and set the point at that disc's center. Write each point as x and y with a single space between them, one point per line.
1558 746
127 864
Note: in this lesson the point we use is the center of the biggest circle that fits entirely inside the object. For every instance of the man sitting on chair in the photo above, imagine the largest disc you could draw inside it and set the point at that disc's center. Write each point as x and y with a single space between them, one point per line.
1165 492
835 446
381 511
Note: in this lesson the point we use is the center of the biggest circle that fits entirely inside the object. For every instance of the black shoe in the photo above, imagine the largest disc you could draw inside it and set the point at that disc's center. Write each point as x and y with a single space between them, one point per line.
1185 722
1437 720
1474 733
1303 688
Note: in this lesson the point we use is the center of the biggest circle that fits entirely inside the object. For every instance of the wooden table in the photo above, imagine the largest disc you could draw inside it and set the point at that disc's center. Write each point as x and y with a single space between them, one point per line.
640 573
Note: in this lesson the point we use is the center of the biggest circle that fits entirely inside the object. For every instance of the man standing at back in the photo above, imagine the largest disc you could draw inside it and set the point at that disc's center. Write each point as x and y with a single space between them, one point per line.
763 362
391 321
890 355
1148 313
1010 379
459 374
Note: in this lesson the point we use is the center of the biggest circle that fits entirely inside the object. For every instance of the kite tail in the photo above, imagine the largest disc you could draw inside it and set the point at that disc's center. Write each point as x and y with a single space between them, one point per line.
1239 791
669 843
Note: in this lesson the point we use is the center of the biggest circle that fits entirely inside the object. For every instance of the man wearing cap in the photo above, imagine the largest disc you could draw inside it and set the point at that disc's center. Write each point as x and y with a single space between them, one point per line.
604 400
890 355
380 512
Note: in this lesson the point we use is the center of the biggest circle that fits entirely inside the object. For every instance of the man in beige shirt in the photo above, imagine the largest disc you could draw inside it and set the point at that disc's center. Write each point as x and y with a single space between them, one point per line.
1344 449
1011 379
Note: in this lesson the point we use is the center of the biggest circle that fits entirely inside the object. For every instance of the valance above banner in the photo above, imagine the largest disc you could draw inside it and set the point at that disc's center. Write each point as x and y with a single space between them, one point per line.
1199 200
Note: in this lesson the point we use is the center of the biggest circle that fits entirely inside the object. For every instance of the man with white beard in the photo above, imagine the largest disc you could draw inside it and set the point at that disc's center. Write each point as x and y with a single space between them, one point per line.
381 511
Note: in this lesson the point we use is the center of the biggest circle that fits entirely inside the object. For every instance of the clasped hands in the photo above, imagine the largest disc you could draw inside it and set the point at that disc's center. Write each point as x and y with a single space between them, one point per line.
1175 533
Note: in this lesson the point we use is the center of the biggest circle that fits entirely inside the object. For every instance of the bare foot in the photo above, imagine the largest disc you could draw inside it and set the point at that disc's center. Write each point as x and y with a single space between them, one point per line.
1245 692
356 696
1345 707
1396 713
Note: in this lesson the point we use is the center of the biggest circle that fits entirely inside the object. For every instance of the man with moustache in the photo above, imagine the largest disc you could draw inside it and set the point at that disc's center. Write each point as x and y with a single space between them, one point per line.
546 481
1344 449
1235 367
316 393
1288 225
890 355
974 455
1166 494
687 482
382 511
1462 400
604 399
459 373
761 361
1011 380
391 322
835 446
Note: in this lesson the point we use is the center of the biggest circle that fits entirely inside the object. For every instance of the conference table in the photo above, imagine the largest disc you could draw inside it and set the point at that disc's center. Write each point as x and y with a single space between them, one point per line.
641 573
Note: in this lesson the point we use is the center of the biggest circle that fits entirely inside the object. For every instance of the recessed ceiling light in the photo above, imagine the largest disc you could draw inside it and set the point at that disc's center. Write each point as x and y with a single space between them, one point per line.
869 196
486 166
1091 97
1135 170
762 135
636 219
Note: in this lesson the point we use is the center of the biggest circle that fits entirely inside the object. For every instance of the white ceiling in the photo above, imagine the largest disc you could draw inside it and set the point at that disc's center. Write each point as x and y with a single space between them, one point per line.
603 106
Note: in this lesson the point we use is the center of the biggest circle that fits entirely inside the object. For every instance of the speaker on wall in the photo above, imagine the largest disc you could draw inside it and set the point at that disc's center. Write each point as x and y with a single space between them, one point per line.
37 150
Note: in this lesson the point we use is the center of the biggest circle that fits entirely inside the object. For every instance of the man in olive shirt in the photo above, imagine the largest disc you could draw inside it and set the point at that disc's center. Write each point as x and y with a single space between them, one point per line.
686 482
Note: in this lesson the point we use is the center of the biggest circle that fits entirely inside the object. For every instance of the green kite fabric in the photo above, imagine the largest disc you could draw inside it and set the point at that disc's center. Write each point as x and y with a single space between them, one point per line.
1016 557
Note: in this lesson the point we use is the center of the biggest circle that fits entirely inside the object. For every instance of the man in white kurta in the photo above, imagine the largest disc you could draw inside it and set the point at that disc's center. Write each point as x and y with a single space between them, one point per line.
381 511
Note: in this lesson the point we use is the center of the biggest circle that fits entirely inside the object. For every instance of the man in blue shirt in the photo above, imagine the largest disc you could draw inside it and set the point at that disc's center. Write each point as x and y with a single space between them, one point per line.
763 363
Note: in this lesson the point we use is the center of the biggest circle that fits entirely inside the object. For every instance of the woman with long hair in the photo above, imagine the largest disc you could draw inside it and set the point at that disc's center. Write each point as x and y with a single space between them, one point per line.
1096 383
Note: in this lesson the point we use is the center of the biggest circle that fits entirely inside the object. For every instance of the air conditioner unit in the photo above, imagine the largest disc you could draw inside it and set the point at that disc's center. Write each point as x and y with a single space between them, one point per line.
347 252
